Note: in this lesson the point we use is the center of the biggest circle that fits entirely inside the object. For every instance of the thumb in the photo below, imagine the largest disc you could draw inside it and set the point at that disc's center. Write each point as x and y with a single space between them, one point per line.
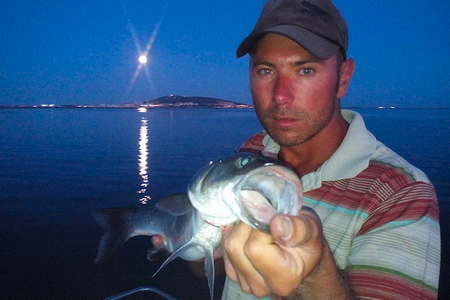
294 231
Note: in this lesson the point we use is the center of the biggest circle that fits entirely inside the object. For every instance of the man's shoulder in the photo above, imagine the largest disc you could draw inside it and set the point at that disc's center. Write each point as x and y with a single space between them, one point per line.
387 177
383 181
388 173
383 171
386 160
378 184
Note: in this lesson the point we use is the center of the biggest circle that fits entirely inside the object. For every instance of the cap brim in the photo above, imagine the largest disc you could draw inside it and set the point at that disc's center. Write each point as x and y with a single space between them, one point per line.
318 46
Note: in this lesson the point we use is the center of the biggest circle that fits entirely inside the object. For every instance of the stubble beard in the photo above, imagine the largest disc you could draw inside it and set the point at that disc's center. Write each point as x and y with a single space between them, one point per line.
310 125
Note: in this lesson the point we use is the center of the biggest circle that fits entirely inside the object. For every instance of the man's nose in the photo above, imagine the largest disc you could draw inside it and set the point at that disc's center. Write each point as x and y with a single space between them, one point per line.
283 90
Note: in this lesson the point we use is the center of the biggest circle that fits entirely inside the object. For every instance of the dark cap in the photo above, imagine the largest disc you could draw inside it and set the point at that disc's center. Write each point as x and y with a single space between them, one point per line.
316 25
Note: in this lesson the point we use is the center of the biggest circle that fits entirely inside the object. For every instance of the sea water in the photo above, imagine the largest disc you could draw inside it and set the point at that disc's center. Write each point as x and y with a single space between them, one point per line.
58 165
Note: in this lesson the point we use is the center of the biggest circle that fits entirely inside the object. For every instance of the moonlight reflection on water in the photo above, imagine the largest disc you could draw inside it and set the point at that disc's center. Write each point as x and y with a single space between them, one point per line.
143 161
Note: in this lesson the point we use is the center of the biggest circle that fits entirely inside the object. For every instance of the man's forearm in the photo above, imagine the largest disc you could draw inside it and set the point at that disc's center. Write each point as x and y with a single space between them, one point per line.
324 282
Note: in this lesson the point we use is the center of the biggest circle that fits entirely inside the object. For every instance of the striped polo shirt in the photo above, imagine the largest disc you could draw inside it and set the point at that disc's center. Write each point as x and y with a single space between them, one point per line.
379 214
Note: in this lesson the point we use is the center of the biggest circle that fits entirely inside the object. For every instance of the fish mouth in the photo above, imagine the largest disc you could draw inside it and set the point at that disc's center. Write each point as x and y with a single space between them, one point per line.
224 193
266 192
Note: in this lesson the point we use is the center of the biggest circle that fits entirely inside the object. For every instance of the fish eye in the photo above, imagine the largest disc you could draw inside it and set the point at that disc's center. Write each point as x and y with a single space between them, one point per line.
243 161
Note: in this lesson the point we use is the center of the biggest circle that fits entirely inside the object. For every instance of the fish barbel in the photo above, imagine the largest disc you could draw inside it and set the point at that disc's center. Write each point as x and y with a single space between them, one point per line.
244 187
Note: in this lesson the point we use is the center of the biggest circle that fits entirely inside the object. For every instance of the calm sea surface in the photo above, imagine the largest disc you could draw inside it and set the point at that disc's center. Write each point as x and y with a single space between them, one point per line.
58 165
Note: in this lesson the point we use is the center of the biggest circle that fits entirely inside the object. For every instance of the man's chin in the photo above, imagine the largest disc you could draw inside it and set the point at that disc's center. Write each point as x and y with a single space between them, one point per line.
285 138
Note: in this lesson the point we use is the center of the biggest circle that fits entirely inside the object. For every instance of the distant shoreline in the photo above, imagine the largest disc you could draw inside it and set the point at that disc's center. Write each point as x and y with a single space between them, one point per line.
119 106
180 102
175 106
170 101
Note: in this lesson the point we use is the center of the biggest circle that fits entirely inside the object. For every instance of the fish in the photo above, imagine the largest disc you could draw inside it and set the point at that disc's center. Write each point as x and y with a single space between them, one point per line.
244 187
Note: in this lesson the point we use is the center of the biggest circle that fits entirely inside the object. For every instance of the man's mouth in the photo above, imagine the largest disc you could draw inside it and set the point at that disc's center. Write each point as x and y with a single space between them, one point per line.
284 121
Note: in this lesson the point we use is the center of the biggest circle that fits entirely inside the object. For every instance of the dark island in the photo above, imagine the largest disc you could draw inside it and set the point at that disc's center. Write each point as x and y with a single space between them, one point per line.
171 101
180 102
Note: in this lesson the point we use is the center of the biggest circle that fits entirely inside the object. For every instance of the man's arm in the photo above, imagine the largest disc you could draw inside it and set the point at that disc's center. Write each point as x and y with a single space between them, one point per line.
294 261
394 254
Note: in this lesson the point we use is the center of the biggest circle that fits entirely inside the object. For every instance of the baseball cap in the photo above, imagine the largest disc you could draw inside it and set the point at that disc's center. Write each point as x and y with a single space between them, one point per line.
316 25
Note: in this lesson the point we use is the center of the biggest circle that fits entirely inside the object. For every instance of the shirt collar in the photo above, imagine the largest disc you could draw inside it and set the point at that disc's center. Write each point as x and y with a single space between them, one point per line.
351 157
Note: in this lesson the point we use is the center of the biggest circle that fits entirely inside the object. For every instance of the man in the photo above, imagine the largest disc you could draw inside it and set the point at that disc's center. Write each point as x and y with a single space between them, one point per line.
369 227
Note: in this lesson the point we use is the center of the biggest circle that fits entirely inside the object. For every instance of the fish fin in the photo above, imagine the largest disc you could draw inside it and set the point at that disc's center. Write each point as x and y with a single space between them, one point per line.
176 204
209 269
118 231
175 255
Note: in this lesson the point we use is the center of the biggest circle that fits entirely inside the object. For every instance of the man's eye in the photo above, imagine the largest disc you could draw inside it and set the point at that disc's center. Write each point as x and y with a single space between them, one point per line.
263 71
306 71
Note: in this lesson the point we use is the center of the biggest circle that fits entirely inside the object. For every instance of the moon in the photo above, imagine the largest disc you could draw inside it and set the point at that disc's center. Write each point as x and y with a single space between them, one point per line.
143 59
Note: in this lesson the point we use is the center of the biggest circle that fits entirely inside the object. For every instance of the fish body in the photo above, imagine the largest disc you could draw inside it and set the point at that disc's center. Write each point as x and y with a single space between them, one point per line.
173 218
184 232
244 187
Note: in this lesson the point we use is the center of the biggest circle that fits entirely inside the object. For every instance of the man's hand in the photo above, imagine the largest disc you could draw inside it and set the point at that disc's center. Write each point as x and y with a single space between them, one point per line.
276 264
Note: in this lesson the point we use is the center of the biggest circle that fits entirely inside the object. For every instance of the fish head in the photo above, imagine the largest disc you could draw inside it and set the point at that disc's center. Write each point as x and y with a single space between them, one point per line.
245 187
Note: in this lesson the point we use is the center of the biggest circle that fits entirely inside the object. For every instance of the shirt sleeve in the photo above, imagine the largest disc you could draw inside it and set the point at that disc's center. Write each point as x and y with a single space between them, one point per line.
396 253
253 144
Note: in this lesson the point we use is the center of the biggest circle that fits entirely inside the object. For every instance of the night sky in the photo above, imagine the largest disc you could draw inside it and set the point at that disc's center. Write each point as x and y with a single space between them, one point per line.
83 52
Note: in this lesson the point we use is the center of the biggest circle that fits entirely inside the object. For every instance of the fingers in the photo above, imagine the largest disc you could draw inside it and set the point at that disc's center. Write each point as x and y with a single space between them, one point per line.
273 264
296 231
258 264
301 239
234 275
239 253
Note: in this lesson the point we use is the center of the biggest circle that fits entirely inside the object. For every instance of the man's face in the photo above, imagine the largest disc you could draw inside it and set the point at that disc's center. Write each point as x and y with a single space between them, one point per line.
294 93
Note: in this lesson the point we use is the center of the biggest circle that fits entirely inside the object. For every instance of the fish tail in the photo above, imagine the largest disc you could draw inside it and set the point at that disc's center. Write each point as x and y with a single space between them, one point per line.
118 231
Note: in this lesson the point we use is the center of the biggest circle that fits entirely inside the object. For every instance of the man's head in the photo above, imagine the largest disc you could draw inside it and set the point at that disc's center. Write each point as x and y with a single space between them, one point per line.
297 76
316 25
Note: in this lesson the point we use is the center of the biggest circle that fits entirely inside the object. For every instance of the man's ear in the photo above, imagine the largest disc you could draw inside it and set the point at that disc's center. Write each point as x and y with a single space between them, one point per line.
345 75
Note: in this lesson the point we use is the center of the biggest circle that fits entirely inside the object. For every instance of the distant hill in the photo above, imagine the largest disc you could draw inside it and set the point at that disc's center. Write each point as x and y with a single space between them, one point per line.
181 101
171 101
